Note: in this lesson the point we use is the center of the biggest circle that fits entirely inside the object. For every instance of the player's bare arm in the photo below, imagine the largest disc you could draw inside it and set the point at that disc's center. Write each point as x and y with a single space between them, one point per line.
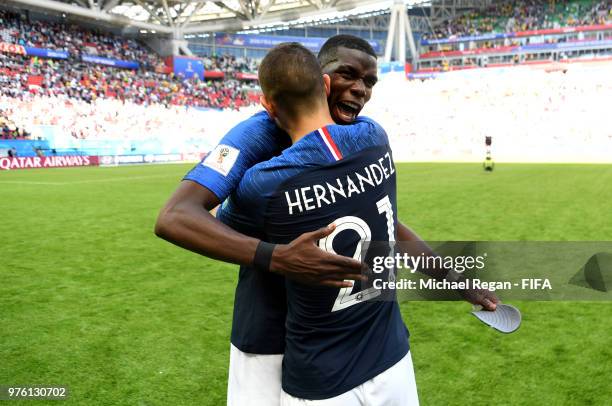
185 221
482 297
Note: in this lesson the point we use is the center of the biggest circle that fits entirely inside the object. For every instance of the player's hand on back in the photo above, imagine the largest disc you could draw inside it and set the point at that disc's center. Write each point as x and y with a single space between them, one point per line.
302 260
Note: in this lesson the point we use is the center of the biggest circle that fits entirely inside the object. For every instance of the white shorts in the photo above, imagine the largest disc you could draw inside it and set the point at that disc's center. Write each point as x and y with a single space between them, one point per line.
394 387
254 379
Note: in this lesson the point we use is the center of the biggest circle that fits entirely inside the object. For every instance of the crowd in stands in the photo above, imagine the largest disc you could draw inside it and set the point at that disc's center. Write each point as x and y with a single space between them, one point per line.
229 64
534 115
89 101
8 129
18 29
22 75
73 120
524 15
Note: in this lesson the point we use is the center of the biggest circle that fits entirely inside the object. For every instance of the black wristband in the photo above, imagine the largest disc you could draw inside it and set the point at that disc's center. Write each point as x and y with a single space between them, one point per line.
263 256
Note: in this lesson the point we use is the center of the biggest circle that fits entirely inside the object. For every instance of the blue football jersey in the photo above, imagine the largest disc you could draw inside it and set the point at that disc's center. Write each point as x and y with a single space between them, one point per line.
336 339
259 326
254 140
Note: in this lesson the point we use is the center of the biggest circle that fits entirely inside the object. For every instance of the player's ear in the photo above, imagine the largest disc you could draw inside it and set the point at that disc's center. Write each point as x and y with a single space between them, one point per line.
327 83
268 106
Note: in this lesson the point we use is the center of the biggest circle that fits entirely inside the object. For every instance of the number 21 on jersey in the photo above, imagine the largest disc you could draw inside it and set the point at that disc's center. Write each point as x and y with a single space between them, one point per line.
345 298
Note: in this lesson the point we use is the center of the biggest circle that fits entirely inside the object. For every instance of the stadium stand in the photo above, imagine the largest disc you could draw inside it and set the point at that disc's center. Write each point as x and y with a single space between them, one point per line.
23 75
520 32
75 78
17 29
107 119
533 114
92 102
523 15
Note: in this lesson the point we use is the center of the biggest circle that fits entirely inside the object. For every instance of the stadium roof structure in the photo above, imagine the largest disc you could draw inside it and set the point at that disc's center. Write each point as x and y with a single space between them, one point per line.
180 17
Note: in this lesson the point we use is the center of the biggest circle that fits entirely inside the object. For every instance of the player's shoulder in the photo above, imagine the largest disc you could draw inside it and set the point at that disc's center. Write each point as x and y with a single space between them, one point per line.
275 168
364 132
365 119
364 122
261 116
259 182
268 174
253 140
258 137
256 123
361 126
311 150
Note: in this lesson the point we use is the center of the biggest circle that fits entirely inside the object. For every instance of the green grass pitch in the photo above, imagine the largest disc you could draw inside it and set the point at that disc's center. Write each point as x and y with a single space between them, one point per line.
90 298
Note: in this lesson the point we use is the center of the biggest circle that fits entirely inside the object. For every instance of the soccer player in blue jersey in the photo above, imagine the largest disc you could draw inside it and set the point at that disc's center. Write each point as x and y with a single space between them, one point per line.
259 314
340 348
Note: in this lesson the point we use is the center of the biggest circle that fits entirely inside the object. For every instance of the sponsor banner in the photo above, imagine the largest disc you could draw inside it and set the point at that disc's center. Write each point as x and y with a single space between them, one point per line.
117 63
47 162
246 76
564 30
46 53
214 74
129 159
567 45
5 47
454 38
31 51
422 75
188 67
270 41
107 160
161 158
500 68
531 33
35 80
524 48
442 54
112 160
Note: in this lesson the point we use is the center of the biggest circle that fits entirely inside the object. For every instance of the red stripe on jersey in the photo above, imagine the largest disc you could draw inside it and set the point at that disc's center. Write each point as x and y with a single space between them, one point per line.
332 143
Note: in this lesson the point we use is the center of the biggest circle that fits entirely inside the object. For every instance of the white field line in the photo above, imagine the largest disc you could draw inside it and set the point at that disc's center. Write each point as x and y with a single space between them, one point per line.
118 179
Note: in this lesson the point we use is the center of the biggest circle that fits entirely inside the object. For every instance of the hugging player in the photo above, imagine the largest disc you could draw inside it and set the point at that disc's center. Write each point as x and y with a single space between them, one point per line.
257 348
336 341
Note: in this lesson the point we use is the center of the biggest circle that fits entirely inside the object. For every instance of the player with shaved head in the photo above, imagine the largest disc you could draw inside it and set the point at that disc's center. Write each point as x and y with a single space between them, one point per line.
341 347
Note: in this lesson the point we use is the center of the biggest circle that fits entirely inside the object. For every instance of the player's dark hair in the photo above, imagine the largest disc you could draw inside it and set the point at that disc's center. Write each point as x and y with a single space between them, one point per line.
290 76
329 50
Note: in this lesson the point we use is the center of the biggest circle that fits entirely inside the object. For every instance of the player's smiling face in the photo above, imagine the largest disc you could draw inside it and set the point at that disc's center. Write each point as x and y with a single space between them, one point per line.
353 75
